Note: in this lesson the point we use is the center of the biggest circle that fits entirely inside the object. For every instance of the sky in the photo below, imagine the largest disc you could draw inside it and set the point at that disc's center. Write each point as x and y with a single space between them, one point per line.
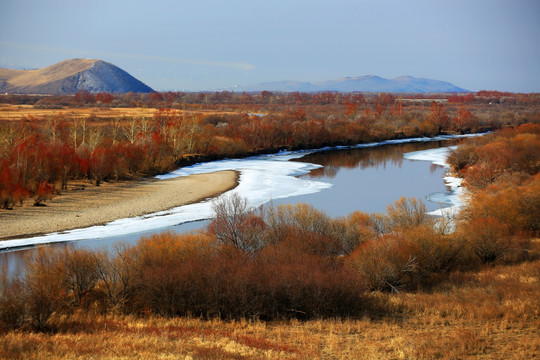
215 44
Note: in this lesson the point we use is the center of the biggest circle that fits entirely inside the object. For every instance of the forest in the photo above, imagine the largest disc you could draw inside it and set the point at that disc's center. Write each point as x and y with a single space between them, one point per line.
285 281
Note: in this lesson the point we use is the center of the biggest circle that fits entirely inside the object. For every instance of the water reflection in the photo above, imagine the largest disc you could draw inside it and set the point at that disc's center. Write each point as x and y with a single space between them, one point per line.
369 179
13 262
377 158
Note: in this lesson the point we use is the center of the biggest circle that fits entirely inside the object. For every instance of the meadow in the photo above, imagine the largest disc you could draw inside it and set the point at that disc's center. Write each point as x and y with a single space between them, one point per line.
489 314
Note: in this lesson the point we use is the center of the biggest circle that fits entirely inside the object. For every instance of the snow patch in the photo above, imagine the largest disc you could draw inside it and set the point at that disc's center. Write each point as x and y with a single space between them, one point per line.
457 196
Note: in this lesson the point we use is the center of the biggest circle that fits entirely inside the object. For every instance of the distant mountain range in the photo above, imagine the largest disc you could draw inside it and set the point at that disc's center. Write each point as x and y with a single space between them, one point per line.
69 77
369 83
94 76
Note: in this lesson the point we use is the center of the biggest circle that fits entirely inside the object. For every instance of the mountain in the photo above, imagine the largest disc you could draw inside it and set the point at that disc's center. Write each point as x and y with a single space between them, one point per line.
69 77
369 83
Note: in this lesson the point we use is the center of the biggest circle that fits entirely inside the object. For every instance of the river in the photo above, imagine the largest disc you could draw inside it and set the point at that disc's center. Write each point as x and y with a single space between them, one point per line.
337 181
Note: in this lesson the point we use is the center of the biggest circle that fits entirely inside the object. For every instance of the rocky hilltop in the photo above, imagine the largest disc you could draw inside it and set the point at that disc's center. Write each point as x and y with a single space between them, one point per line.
69 77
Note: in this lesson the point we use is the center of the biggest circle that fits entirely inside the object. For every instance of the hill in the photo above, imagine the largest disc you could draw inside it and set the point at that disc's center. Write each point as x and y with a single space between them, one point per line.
369 83
69 77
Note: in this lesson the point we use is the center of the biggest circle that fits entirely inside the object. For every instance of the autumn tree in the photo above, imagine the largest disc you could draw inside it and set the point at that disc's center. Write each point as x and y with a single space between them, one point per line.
464 120
438 116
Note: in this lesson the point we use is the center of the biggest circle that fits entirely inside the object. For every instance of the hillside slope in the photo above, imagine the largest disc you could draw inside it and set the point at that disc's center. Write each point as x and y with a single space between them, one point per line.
69 77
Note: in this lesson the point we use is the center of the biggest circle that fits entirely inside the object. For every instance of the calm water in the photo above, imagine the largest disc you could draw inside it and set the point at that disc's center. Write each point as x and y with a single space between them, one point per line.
371 179
363 179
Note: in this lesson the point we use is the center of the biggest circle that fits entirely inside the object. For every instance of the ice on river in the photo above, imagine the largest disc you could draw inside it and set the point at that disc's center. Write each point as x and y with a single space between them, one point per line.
262 179
456 196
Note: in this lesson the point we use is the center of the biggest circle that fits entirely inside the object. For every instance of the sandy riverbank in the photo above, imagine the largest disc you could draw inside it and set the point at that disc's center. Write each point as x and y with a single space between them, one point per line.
102 204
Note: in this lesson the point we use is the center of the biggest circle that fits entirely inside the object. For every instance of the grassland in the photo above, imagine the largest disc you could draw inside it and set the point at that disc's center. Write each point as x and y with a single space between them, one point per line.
492 314
10 112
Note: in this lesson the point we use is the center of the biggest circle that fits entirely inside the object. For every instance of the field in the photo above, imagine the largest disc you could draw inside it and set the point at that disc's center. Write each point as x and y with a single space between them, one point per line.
492 314
16 112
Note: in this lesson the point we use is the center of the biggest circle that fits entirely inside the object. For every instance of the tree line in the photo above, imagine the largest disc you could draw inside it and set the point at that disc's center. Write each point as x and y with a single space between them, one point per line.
170 99
40 156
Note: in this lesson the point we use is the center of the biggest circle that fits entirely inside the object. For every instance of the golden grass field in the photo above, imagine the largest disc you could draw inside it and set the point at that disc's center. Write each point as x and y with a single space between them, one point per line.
493 314
51 73
16 112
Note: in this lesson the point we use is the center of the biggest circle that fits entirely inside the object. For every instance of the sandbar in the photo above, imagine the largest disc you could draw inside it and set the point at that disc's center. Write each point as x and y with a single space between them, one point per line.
96 205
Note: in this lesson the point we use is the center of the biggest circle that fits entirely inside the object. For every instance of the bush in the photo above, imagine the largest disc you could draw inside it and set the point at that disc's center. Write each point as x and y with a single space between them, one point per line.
487 237
12 303
385 264
44 290
435 253
167 271
297 284
406 213
236 225
191 275
500 220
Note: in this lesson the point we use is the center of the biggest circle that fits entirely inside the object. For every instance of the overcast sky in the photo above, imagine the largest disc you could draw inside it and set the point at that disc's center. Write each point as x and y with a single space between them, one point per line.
211 44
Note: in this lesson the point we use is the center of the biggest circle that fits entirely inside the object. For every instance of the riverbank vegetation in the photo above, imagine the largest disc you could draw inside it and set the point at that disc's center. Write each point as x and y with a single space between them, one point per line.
489 314
292 282
46 142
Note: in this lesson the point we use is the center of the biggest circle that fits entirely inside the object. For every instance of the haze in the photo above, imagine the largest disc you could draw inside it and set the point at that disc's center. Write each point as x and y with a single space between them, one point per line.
207 45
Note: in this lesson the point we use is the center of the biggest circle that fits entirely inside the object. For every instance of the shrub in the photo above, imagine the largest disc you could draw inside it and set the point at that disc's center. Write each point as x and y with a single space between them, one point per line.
435 253
385 264
168 271
297 284
516 206
12 303
406 213
487 237
44 291
79 269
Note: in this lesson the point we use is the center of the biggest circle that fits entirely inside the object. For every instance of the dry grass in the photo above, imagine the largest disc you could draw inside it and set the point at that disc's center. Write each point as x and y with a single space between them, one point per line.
493 314
16 112
48 74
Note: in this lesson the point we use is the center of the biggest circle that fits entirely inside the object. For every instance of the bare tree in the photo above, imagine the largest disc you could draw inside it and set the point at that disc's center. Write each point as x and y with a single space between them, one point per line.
145 125
43 287
94 138
115 130
80 269
131 130
236 225
405 213
116 275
